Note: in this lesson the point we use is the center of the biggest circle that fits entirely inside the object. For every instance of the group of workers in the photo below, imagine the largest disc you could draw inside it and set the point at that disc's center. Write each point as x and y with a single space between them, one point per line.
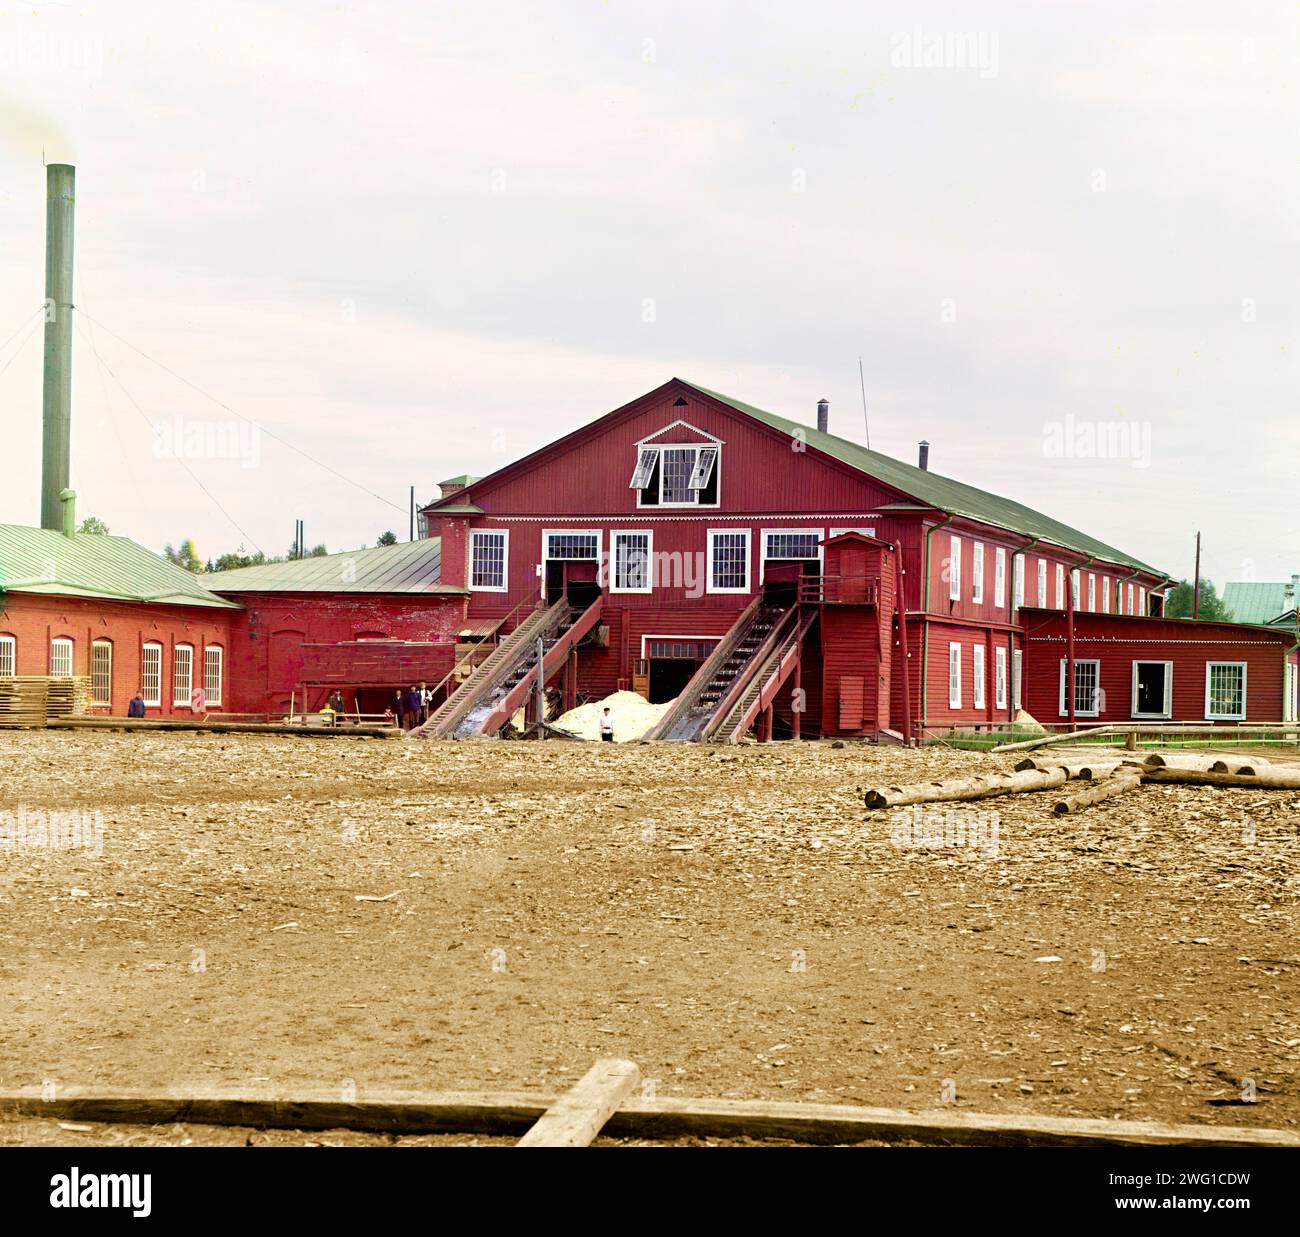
409 708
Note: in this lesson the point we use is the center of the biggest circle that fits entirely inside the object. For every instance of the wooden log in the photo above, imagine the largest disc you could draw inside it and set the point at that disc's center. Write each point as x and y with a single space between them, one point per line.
1106 788
1237 764
986 787
514 1112
1272 778
579 1115
1077 767
1043 740
1209 764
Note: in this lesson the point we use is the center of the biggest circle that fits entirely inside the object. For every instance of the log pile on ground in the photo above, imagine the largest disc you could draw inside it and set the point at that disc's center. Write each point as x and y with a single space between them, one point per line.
1107 775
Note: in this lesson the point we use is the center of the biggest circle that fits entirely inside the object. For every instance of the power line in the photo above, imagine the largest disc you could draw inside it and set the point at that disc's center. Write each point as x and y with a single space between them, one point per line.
193 476
18 351
222 404
21 326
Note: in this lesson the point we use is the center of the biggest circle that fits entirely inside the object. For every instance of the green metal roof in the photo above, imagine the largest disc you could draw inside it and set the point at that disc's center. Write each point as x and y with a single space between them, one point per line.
464 479
41 560
411 567
1256 602
943 493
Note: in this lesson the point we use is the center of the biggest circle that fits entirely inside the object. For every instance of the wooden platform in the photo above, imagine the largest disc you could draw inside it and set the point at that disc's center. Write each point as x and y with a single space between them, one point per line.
178 723
515 1113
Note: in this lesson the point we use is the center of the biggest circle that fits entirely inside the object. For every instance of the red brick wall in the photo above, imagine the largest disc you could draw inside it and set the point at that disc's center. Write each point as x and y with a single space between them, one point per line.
34 620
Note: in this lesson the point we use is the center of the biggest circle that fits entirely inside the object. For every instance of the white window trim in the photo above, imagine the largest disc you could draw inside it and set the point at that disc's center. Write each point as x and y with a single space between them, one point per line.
954 680
1142 602
715 640
1092 592
504 587
212 698
1060 586
661 447
1080 661
748 534
999 576
954 568
548 533
1042 584
1017 679
1000 677
10 643
152 701
977 573
649 439
101 644
614 535
60 642
1226 717
1168 710
977 671
1105 594
866 532
1130 600
763 535
180 701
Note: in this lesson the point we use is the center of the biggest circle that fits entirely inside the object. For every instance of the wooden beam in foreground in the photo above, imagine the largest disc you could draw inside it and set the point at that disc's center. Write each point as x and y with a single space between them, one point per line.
515 1112
578 1115
152 724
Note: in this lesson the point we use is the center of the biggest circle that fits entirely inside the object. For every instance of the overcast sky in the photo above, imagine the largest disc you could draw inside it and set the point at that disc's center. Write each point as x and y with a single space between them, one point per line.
422 239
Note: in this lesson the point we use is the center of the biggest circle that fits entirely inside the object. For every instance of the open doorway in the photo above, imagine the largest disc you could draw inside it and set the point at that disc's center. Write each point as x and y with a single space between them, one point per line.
1153 687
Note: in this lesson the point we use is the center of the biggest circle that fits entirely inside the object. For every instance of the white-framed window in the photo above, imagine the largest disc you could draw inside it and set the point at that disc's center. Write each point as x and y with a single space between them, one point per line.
1105 594
866 532
977 573
954 676
1142 601
571 544
1092 591
489 555
8 656
633 554
999 677
1042 583
728 560
60 656
213 673
977 670
1087 688
1019 570
1130 599
677 474
101 672
1000 577
182 675
786 544
954 568
1060 586
1075 582
1017 664
151 674
1225 690
1153 689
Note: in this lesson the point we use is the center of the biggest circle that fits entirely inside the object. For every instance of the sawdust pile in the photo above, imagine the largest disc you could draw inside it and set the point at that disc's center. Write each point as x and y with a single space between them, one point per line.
633 715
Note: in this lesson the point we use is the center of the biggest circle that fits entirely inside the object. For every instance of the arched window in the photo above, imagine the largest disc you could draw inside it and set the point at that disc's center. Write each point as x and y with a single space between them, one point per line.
101 672
151 674
213 668
60 656
182 675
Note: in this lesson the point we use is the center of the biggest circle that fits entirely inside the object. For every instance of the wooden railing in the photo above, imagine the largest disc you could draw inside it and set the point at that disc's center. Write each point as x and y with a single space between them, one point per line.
846 590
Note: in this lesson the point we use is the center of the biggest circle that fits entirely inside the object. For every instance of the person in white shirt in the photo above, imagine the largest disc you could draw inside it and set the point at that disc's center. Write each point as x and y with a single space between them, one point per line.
606 727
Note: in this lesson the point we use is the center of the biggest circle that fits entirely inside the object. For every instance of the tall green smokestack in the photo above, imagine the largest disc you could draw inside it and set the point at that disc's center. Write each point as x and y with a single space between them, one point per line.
60 182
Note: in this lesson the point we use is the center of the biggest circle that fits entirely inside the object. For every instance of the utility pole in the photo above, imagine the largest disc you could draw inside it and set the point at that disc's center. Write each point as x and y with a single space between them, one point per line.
1196 588
541 690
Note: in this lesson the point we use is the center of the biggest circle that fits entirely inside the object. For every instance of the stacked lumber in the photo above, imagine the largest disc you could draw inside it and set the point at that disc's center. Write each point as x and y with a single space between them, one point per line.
24 700
68 696
32 699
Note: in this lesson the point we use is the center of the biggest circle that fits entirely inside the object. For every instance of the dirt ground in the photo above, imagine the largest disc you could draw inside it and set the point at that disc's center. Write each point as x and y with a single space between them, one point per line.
271 914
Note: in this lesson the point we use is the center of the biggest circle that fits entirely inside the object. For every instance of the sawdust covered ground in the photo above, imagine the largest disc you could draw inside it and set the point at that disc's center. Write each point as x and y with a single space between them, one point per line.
731 919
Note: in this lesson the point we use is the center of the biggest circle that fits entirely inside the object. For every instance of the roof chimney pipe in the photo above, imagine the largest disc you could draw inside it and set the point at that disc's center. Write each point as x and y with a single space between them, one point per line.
924 462
68 501
56 400
823 415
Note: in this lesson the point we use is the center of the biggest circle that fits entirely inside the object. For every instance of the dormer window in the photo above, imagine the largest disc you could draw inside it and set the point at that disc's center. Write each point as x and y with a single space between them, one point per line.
676 475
